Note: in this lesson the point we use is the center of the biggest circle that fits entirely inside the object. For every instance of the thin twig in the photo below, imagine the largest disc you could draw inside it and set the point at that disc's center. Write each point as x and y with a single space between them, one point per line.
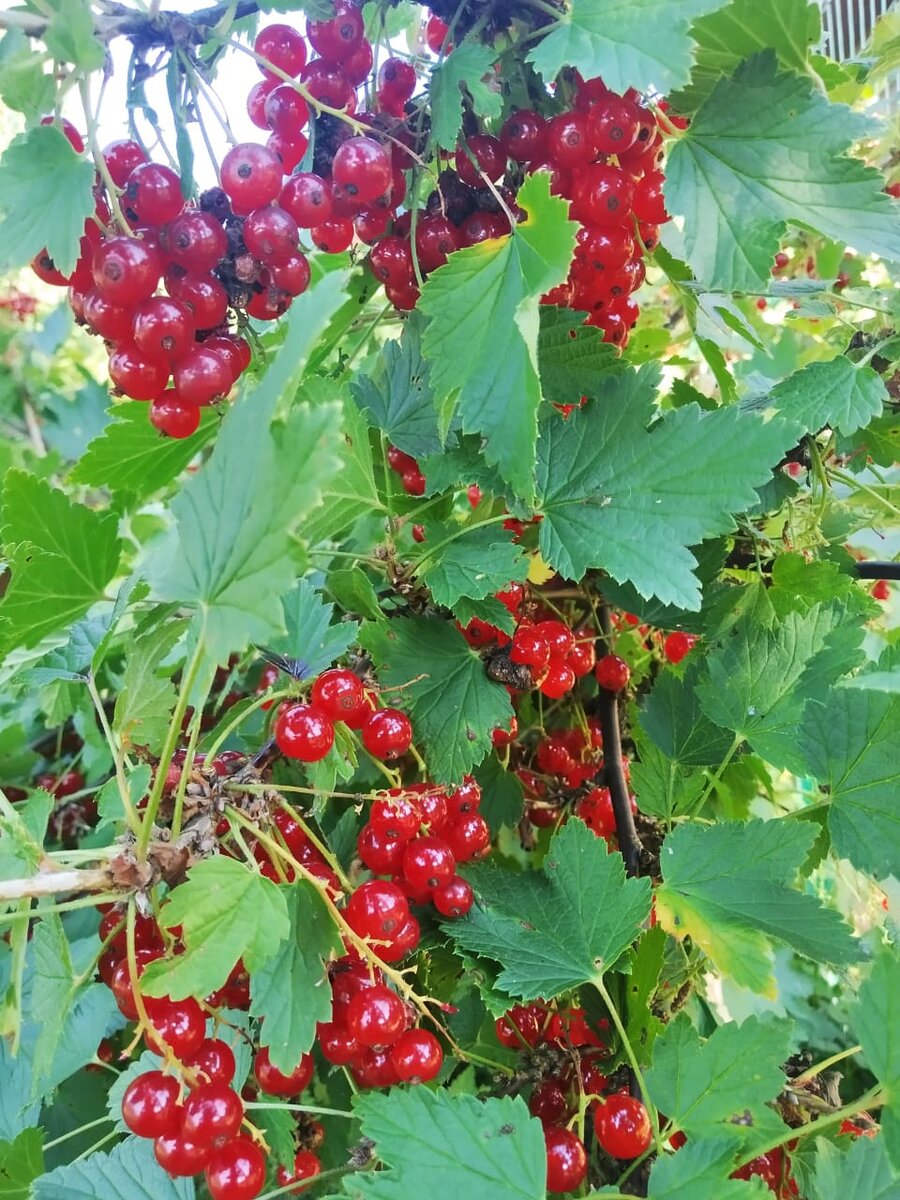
629 842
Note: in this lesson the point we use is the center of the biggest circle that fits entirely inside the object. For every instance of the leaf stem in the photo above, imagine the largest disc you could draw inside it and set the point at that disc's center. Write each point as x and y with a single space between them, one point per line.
716 777
301 1108
858 486
75 1132
115 749
598 983
874 1098
431 551
613 758
819 1067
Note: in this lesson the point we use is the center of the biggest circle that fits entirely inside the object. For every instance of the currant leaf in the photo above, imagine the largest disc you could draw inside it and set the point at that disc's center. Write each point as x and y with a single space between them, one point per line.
452 704
630 501
311 639
21 1162
837 393
729 887
45 198
875 1018
789 167
475 564
289 992
132 460
632 43
864 1172
147 694
848 741
485 1150
70 35
61 556
701 1170
497 284
560 929
24 84
573 359
227 912
465 69
129 1169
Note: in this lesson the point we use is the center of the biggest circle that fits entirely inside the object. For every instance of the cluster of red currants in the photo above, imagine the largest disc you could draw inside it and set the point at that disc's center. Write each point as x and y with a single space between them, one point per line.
305 731
371 1029
419 835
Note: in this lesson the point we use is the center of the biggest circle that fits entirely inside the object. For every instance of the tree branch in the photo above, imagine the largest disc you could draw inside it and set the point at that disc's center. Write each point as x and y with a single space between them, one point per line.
870 569
165 28
608 712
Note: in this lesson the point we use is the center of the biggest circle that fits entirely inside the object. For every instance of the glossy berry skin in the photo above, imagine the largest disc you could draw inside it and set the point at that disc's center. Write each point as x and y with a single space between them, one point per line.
275 1082
337 38
381 854
150 1105
568 140
283 47
519 1028
524 135
614 125
307 198
436 32
203 294
271 235
622 1126
333 237
454 898
396 82
678 645
136 375
174 416
339 1047
306 1166
304 732
236 1171
179 1157
286 112
111 321
582 658
179 1025
603 195
387 733
395 817
417 1056
163 329
196 240
376 1016
529 647
559 680
153 194
468 836
214 1061
328 83
391 261
338 692
121 159
566 1160
362 168
428 863
489 156
202 376
596 810
212 1111
251 175
292 275
126 270
548 1103
612 673
377 909
436 239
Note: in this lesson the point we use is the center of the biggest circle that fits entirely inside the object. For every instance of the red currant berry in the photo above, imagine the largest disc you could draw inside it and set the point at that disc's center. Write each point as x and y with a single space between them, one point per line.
307 198
121 158
202 376
489 157
277 1083
454 898
214 1061
203 294
163 329
387 733
256 101
153 193
196 241
548 1103
306 1166
236 1171
180 1026
612 673
566 1160
362 169
328 82
568 140
339 692
678 645
622 1126
287 113
251 175
582 658
559 680
111 321
436 32
428 863
338 1045
337 38
603 195
468 837
557 635
136 375
417 1056
304 732
529 647
333 237
377 909
271 235
376 1016
179 1157
436 238
380 853
524 135
614 125
518 1028
396 82
212 1111
292 275
391 262
281 46
150 1105
596 811
174 416
358 67
126 270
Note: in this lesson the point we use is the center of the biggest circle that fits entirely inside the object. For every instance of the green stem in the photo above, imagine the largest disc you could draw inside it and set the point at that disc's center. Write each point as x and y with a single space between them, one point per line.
112 191
290 1189
131 816
431 551
97 1145
186 768
598 983
228 730
819 1067
68 905
75 1132
716 777
301 1108
858 486
871 1099
172 735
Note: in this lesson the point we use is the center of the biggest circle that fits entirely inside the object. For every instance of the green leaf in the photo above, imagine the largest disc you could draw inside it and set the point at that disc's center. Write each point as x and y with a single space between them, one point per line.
557 930
836 393
311 638
875 1018
488 609
454 708
127 1170
477 563
45 198
701 1171
279 1128
53 992
662 787
21 1162
706 1087
147 694
672 719
729 887
849 742
24 84
227 912
632 502
639 983
798 584
355 593
134 460
24 827
351 492
864 1172
231 556
70 34
397 395
483 1150
485 288
501 794
573 358
61 555
109 799
768 146
632 43
465 69
289 992
759 680
743 28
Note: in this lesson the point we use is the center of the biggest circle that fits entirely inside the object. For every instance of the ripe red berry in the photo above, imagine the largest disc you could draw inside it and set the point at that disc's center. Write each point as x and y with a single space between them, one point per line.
678 645
582 657
396 82
529 647
436 238
179 1157
559 680
203 294
518 1028
454 898
271 235
569 142
622 1126
603 195
202 376
150 1106
428 863
336 39
136 375
596 810
566 1160
283 47
334 237
126 270
417 1056
612 673
339 693
121 158
163 329
251 175
174 416
376 1016
214 1061
196 241
488 155
180 1026
436 32
548 1102
377 909
153 193
380 853
338 1045
304 731
306 1166
362 168
286 112
328 82
614 125
387 733
524 135
277 1083
469 836
211 1111
236 1171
